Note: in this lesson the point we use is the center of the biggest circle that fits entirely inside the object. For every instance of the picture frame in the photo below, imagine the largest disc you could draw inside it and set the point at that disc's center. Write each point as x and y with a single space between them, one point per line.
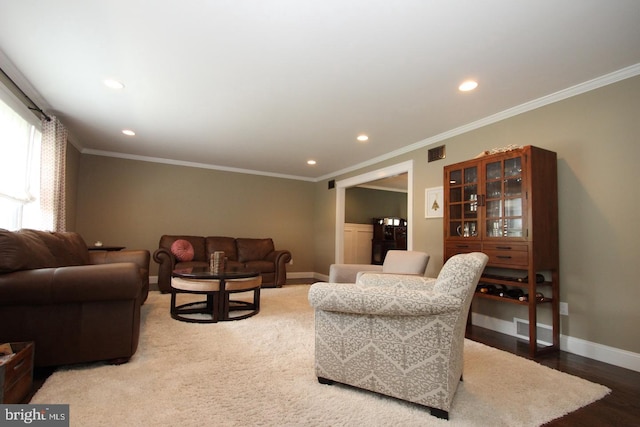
434 202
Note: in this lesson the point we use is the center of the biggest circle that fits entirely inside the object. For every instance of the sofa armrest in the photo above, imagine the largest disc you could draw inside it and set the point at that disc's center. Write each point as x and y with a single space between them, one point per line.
384 301
119 281
280 258
166 264
139 257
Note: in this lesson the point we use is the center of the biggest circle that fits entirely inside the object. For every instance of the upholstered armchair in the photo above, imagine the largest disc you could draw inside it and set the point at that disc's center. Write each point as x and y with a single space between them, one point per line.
396 261
398 335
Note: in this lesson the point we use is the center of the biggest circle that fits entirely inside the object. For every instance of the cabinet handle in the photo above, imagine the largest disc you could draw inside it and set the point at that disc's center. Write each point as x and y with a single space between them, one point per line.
504 256
508 248
462 246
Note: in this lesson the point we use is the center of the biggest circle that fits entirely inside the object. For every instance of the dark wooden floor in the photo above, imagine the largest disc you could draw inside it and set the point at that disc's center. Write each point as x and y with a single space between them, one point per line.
621 407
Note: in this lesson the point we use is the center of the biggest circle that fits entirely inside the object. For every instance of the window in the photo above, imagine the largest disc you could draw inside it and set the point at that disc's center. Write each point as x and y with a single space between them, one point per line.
19 170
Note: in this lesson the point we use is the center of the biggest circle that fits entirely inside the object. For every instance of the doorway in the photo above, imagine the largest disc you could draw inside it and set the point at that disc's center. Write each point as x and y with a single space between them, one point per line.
341 186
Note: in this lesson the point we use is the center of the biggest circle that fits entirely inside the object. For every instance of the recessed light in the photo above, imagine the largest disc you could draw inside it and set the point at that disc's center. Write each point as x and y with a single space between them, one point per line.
468 85
362 138
311 162
128 132
113 84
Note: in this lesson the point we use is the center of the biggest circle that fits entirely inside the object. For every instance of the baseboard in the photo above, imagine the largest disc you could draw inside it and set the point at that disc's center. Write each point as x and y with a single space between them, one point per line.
306 275
603 353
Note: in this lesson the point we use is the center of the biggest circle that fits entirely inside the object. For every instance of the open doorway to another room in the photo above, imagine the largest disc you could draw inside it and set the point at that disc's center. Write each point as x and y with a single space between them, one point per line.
384 193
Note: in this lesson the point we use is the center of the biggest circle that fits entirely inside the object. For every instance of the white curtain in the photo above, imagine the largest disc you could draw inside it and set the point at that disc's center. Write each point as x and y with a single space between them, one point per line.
52 174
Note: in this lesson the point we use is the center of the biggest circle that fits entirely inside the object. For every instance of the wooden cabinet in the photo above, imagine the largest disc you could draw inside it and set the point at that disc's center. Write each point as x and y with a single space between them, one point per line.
506 205
357 243
388 233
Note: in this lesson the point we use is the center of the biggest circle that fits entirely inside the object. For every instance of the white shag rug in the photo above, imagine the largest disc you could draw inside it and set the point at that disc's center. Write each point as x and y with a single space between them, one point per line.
260 372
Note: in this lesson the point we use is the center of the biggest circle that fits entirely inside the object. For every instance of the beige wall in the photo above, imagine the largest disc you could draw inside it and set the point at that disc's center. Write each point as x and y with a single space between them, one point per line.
132 203
596 136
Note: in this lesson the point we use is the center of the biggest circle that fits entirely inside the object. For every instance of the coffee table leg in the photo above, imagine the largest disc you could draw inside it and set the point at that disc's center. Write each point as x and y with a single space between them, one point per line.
173 302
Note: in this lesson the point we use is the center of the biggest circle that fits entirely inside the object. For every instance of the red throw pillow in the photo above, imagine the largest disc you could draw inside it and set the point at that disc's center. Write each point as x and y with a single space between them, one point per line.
182 250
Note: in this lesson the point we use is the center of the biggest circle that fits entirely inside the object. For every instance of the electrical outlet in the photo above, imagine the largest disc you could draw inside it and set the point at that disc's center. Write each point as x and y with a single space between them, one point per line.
564 308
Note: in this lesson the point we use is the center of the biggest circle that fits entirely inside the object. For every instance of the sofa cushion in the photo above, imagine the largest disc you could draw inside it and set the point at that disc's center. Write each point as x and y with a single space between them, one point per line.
224 244
22 251
183 250
30 249
67 248
253 249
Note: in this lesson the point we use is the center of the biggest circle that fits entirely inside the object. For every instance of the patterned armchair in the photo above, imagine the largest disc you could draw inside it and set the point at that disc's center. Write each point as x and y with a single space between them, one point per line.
398 335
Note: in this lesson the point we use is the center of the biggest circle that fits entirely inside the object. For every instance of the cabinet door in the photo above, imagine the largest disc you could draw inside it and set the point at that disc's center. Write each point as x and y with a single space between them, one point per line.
504 198
462 202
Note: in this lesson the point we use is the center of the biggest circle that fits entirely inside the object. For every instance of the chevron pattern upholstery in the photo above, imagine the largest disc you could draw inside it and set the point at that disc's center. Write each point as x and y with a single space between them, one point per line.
398 335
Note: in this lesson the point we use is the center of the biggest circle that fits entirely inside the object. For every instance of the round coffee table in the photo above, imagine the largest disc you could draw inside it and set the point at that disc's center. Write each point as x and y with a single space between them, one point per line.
217 287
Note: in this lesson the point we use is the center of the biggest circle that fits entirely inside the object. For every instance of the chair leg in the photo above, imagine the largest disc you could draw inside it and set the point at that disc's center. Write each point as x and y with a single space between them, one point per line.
439 413
322 380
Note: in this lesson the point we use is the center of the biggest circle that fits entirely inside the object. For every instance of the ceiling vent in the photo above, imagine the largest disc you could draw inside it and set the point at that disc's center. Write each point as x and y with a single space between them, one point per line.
437 153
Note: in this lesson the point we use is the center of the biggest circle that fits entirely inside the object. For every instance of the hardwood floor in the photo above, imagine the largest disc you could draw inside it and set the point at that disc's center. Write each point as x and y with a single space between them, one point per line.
621 407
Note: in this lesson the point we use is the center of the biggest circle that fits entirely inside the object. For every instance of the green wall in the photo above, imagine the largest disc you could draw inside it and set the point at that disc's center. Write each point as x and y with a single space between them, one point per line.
363 204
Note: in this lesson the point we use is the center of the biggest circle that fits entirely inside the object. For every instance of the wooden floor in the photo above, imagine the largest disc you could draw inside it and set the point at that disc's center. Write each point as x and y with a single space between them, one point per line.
621 407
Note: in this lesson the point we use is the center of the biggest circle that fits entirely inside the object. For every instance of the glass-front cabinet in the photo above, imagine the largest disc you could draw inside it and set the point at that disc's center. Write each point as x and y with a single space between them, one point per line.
486 199
506 206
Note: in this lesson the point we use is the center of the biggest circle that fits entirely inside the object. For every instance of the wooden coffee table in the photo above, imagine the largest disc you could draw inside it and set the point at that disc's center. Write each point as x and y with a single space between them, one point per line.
217 287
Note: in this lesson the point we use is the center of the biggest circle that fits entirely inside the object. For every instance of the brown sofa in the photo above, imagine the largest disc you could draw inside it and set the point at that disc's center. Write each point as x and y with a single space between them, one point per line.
77 306
255 254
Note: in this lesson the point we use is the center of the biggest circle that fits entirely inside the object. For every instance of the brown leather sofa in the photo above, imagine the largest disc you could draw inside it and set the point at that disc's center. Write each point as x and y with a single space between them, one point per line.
77 306
255 254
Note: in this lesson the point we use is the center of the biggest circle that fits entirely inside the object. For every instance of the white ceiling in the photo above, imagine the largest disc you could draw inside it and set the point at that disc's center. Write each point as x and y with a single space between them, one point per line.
265 85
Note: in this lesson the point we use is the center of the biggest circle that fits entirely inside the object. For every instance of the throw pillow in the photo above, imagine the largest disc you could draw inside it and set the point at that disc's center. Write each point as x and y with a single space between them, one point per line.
182 250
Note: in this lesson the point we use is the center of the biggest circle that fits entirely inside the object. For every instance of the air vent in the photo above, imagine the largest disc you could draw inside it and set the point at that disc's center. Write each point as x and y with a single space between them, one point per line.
437 153
332 184
544 332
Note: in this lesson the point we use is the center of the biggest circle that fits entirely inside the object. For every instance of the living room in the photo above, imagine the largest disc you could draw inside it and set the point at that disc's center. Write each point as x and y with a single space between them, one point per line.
132 200
132 203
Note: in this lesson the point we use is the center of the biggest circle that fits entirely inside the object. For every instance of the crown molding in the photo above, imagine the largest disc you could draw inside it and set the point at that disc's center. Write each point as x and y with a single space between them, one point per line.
572 91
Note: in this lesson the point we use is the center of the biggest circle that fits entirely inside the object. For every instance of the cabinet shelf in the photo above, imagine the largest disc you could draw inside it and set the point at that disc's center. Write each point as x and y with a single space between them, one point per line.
511 300
512 282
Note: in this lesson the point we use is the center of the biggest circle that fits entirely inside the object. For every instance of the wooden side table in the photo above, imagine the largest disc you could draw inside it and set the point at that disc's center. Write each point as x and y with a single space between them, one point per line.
16 375
106 248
